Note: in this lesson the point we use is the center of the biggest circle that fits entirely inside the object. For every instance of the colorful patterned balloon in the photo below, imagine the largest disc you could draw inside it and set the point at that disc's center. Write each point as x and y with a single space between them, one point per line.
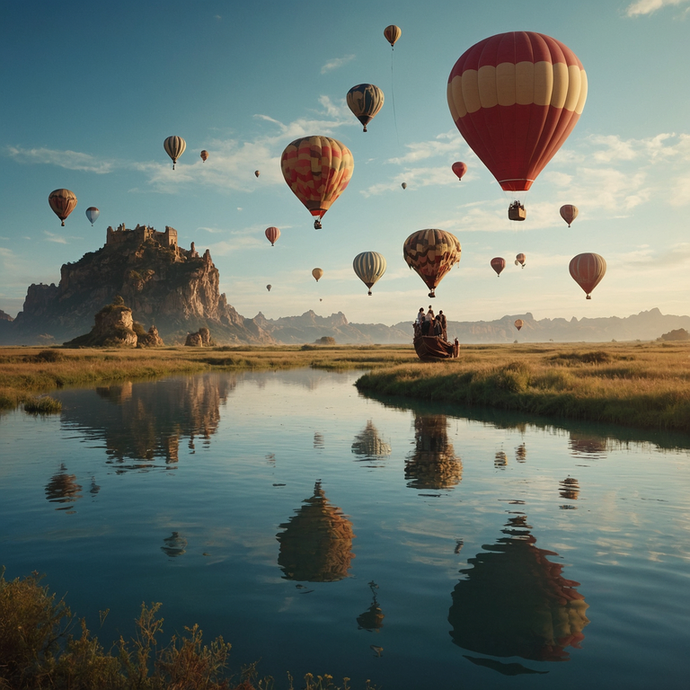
392 33
317 169
62 201
92 214
515 97
431 253
365 100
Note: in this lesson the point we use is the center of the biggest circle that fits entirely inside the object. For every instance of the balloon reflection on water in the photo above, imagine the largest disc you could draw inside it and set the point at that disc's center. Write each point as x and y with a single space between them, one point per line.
316 542
433 464
513 601
368 445
372 618
63 488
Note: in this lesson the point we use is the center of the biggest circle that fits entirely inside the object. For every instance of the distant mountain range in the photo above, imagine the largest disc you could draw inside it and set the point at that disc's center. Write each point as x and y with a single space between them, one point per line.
309 327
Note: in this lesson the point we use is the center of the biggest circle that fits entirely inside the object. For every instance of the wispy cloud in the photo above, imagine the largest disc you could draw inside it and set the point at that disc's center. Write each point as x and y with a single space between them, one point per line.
642 7
336 63
444 144
72 160
58 239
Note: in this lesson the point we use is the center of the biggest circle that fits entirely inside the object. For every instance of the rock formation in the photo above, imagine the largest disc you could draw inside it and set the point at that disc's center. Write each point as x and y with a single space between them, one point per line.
114 327
160 281
5 317
202 338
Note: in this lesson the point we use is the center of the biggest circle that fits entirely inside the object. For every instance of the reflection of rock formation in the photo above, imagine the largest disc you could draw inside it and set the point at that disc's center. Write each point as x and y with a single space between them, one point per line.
569 489
174 545
592 446
372 618
143 422
63 488
316 542
521 453
515 602
368 446
433 465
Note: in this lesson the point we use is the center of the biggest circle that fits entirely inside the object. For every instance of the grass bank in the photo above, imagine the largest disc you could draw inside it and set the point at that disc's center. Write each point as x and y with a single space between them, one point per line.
43 645
645 385
27 372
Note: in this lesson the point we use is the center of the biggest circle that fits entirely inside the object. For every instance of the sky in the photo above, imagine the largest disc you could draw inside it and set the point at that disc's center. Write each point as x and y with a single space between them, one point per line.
91 90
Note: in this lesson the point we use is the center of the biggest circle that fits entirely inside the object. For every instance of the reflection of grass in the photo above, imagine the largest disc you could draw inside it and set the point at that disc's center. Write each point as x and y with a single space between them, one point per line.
43 405
27 371
41 647
646 385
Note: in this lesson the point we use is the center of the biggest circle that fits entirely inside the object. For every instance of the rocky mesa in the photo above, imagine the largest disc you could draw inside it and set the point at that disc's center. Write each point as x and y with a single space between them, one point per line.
175 289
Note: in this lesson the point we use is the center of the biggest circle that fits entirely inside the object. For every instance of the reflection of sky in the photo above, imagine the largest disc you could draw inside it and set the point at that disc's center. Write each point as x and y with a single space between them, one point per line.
628 537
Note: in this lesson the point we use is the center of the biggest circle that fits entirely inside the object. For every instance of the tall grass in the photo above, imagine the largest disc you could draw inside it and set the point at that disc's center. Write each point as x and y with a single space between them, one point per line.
43 646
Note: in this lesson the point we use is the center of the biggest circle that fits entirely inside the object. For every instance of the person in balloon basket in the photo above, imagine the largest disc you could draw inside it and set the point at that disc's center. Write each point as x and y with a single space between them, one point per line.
419 322
428 320
444 324
438 329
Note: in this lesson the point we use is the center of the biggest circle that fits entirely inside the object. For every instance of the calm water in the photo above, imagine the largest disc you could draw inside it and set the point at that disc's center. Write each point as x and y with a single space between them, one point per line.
323 531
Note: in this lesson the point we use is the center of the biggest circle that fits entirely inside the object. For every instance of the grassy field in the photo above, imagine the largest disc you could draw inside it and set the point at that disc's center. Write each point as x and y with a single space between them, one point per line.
642 384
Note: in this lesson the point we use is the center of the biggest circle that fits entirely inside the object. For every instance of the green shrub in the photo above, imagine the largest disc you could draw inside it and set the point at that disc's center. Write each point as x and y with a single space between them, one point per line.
43 405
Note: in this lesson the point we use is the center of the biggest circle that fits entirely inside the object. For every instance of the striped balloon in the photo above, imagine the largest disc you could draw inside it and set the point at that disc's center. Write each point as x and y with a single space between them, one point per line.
272 234
431 253
515 97
174 147
369 267
392 33
317 169
498 263
63 202
365 100
587 271
569 213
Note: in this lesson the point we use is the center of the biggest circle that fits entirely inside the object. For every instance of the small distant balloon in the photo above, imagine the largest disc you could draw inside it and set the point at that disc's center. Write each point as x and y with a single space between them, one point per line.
459 168
62 201
257 173
204 155
518 324
268 287
272 234
498 263
92 214
365 100
317 273
174 147
587 271
520 259
392 33
404 185
569 213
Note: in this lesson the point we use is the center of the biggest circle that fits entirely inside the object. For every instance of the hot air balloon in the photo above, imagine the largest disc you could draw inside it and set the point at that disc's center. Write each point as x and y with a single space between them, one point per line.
317 273
317 170
204 155
431 253
392 33
62 201
520 259
587 270
404 185
498 264
272 234
365 100
459 168
518 324
257 173
515 97
174 147
268 287
369 267
569 213
92 214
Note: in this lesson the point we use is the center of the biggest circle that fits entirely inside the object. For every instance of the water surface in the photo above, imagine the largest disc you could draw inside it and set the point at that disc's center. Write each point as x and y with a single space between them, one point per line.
323 531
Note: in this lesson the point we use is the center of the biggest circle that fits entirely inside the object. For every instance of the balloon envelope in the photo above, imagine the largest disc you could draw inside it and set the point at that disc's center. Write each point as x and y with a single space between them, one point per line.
587 271
317 169
365 100
404 185
92 214
62 201
515 97
520 259
498 264
369 267
272 234
174 147
392 33
459 168
569 213
431 253
518 324
268 287
317 273
257 173
204 155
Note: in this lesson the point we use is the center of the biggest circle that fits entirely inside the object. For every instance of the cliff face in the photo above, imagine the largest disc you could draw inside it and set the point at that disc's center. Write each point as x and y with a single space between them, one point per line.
174 288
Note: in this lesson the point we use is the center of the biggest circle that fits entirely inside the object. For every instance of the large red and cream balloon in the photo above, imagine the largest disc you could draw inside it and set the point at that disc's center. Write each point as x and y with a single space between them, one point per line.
515 97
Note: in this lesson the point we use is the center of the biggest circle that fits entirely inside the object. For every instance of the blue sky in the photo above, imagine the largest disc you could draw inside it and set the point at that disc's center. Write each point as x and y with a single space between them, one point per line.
91 90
